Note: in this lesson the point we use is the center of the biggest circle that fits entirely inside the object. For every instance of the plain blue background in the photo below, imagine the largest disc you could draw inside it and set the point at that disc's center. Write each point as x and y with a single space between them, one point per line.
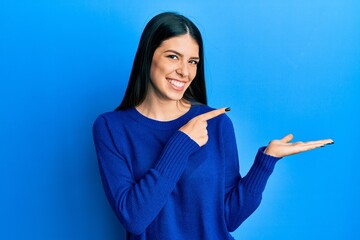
282 66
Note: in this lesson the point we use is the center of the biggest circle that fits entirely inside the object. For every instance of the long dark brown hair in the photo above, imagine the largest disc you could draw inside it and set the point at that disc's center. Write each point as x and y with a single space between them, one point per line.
160 28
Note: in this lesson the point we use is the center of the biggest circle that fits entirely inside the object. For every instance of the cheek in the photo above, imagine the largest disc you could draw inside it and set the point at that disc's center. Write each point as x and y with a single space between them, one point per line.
159 68
155 72
193 73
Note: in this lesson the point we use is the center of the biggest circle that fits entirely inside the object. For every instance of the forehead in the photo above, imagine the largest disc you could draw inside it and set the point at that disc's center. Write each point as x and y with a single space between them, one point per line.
184 44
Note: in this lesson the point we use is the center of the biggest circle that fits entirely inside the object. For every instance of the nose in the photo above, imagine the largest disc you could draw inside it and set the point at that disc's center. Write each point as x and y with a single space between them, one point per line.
183 70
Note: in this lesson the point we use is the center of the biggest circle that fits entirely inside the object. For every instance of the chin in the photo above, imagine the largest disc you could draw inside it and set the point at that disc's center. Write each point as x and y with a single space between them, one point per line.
177 97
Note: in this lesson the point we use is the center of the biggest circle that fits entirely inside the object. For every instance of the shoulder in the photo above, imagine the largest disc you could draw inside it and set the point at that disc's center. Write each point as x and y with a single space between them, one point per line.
107 119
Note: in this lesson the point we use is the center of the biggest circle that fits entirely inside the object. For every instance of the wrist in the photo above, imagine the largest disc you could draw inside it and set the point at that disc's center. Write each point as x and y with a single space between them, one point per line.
268 151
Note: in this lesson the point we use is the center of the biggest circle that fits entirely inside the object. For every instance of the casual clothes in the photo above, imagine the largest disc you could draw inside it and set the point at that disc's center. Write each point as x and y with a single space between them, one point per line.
162 185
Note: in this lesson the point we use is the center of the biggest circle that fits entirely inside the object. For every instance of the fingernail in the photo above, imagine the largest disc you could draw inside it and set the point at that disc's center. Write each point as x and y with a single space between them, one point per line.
330 143
227 109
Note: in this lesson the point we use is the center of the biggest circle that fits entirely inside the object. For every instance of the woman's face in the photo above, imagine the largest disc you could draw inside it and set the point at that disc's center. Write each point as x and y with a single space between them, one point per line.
173 68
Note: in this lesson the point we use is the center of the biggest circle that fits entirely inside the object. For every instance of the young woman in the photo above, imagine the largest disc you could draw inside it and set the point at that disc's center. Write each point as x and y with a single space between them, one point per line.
169 163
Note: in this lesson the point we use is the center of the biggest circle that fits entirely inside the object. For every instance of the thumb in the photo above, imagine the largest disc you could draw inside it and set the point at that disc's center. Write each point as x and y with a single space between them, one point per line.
287 138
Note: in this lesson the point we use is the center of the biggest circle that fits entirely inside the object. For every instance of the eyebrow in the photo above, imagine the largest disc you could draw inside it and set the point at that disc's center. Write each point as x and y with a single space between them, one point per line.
181 55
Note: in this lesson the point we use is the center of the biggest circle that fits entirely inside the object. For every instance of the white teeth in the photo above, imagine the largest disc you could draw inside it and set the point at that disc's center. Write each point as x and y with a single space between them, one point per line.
177 83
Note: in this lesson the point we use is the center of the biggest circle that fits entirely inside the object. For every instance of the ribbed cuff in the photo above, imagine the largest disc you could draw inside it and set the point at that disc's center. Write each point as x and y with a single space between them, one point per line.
255 180
175 155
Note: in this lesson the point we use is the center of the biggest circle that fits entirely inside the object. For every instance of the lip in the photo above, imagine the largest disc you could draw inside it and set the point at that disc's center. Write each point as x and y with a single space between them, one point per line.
175 79
176 87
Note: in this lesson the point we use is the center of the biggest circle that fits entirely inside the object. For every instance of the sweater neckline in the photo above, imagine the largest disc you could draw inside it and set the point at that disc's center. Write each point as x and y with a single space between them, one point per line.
137 116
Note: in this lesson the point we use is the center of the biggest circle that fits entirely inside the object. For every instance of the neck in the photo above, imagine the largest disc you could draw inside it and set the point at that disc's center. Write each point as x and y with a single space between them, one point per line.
163 110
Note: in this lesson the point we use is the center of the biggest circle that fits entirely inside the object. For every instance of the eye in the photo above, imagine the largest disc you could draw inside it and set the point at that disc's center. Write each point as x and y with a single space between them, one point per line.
194 62
174 57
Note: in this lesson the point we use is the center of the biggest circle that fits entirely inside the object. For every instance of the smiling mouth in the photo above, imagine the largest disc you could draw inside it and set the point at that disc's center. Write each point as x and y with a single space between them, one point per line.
177 84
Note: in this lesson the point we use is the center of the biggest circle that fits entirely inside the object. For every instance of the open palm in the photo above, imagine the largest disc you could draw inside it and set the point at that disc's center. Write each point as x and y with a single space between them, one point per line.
283 147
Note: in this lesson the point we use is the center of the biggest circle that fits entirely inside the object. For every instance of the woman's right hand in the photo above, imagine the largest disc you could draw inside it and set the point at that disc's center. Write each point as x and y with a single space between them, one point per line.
196 127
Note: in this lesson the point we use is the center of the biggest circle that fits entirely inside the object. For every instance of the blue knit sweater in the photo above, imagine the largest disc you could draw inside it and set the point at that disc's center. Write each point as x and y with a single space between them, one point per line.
162 185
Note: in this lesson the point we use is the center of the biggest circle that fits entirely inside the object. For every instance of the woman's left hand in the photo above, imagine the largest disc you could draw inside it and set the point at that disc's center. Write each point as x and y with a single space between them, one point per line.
283 147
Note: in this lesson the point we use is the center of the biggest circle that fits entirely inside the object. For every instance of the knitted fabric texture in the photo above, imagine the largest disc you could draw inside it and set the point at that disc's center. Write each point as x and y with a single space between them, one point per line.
162 185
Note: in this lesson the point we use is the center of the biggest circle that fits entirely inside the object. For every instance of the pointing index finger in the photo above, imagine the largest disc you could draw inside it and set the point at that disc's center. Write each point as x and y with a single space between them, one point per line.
214 113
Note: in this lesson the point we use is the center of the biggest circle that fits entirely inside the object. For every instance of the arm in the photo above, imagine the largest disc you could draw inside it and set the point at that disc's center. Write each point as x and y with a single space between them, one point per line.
138 203
243 195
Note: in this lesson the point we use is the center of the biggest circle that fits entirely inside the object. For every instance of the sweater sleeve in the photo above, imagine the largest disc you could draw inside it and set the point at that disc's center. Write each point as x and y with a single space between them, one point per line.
243 195
137 203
